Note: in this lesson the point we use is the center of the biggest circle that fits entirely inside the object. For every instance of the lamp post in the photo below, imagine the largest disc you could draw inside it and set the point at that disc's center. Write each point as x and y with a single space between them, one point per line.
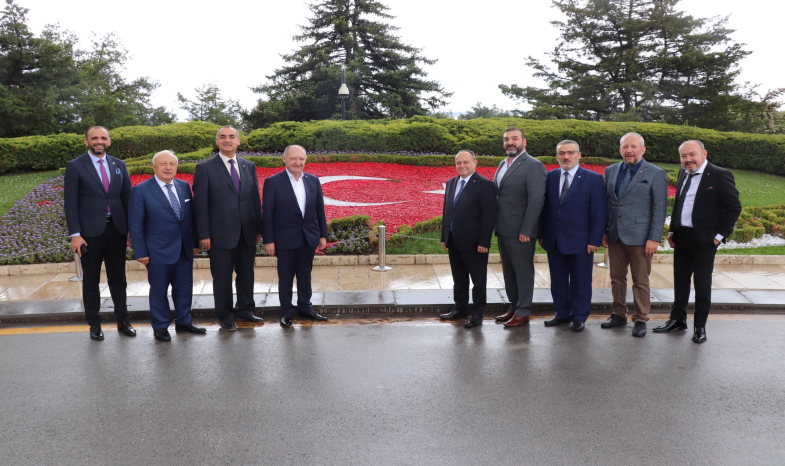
343 92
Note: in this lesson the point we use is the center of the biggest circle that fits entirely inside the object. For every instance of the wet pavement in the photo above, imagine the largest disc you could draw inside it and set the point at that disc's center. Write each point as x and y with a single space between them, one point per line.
401 391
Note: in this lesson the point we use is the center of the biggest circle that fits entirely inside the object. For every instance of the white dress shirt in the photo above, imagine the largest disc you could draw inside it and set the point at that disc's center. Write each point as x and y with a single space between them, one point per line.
299 191
689 198
458 186
504 168
570 177
166 191
228 165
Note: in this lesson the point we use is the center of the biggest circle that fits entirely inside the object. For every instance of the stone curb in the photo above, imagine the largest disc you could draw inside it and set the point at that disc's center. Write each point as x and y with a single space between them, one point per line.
395 259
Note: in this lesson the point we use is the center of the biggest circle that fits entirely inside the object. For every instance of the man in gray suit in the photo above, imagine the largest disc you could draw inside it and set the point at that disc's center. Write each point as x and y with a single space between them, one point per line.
520 181
637 193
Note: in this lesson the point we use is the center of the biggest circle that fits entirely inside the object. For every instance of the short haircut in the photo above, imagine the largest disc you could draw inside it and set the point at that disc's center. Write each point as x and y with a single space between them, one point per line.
293 146
224 127
515 128
568 141
94 127
692 140
165 152
643 144
474 156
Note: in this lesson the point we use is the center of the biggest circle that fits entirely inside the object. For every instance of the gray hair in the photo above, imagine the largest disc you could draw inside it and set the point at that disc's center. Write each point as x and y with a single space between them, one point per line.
568 141
632 134
474 156
292 147
164 152
692 140
224 127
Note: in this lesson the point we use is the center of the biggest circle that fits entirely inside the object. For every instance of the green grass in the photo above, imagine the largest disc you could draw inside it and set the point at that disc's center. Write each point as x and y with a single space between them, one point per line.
16 186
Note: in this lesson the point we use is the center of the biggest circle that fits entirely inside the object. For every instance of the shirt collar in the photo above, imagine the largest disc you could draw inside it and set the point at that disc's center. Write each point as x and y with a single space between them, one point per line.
227 159
291 177
161 183
570 171
635 167
94 158
513 160
467 178
702 168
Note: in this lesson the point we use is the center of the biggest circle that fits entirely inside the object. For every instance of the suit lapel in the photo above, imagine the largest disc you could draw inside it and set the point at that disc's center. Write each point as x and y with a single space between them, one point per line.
115 180
513 167
242 172
704 182
613 177
635 179
466 188
289 189
218 161
158 193
87 161
450 192
574 184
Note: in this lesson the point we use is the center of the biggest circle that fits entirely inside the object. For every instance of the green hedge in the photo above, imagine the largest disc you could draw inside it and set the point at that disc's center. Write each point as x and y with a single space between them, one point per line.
754 221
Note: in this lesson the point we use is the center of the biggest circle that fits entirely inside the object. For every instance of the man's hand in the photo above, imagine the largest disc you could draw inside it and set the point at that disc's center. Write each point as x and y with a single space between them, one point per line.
322 244
651 247
76 244
671 242
524 238
269 249
605 241
540 241
196 251
444 245
590 249
482 250
258 237
143 260
128 240
205 244
716 242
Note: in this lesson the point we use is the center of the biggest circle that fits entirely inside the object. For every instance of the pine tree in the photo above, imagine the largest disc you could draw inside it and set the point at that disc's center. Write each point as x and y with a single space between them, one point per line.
384 76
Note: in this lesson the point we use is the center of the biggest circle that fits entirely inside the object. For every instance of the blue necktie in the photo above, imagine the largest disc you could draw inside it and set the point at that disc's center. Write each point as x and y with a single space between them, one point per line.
460 190
175 203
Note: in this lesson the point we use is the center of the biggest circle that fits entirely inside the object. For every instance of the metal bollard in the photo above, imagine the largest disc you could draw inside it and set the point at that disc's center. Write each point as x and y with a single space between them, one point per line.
605 263
79 272
382 267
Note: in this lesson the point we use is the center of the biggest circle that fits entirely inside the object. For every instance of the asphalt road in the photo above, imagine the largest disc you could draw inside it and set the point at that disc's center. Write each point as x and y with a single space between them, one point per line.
407 393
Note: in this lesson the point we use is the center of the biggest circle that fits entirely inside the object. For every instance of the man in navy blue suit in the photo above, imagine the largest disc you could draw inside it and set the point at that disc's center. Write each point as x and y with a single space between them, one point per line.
573 221
293 226
162 232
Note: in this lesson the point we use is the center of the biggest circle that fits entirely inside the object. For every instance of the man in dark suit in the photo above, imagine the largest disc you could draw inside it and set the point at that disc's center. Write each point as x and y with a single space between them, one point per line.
228 225
294 226
520 195
637 193
97 188
573 223
705 210
162 231
468 218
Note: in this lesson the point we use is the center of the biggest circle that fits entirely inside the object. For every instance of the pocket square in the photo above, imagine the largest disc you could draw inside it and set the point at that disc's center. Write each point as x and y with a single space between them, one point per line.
116 171
644 181
187 200
710 187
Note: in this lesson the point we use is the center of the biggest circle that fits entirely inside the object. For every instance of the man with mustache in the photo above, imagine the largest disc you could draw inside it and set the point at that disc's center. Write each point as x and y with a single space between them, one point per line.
705 210
637 193
520 181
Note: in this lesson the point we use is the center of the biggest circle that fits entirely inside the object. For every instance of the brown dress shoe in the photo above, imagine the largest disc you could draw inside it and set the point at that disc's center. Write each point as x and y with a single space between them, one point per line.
517 321
505 317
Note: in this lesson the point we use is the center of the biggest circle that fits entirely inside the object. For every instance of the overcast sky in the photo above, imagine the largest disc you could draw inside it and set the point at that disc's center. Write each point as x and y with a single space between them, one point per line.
478 44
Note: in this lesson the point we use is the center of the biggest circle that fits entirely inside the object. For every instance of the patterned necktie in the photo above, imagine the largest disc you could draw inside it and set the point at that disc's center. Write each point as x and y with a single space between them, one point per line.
104 180
676 213
564 188
175 203
626 181
235 175
460 190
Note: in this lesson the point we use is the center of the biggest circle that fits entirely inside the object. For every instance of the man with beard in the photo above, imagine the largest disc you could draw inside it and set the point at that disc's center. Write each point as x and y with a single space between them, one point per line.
705 210
520 181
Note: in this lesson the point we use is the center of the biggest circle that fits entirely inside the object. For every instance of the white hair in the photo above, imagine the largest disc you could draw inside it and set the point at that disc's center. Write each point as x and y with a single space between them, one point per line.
164 152
643 144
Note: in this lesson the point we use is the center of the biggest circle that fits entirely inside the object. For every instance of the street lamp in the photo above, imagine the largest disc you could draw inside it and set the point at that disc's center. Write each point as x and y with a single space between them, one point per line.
343 92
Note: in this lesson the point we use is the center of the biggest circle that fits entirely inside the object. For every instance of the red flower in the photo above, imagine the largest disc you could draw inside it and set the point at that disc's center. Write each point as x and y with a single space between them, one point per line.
43 203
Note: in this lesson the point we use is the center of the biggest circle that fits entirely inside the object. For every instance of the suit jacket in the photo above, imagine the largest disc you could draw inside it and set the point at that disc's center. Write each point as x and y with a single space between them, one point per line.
717 205
284 224
86 200
156 232
222 214
581 219
638 215
473 216
520 197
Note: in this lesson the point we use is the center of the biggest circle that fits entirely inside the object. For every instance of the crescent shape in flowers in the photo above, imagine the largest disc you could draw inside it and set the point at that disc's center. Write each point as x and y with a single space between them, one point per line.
335 202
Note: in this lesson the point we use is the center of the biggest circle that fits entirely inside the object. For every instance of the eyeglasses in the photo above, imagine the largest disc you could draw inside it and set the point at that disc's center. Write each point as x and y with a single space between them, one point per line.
569 152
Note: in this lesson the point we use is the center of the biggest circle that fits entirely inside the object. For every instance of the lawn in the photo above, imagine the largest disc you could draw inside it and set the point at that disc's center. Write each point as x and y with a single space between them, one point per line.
16 186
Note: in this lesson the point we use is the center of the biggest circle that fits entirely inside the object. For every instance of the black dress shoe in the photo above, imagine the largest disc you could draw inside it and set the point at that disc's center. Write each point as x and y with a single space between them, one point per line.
670 326
286 321
455 314
250 318
474 321
161 334
614 320
96 333
228 324
577 326
639 330
700 335
124 327
313 315
556 320
190 328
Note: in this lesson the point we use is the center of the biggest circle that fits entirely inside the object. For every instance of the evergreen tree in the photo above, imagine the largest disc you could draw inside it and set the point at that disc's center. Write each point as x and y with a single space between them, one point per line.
643 60
481 111
209 106
384 76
